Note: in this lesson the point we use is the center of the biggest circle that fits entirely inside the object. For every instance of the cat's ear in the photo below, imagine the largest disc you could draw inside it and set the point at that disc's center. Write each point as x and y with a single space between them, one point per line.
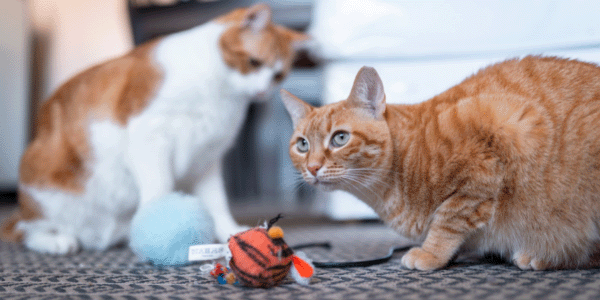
367 92
301 40
257 17
298 40
297 108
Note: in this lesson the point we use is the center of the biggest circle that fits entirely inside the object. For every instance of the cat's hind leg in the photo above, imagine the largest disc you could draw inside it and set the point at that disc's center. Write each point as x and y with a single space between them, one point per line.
149 156
528 262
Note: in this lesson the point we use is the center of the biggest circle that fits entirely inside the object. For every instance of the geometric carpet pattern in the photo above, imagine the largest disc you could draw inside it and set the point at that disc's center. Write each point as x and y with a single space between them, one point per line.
117 274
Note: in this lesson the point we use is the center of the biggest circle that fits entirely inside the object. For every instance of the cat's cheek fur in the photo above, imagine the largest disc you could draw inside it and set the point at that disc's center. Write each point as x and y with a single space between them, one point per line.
254 84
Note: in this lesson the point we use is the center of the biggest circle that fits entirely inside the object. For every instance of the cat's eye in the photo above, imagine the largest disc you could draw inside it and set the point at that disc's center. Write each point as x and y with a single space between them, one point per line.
278 76
340 139
302 145
255 62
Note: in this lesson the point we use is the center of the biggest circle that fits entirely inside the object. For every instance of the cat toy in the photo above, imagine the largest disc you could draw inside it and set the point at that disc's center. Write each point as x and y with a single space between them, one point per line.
258 257
261 258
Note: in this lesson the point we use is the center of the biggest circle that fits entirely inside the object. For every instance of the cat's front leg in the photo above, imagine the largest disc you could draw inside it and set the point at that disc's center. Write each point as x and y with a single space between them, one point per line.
454 221
150 160
211 189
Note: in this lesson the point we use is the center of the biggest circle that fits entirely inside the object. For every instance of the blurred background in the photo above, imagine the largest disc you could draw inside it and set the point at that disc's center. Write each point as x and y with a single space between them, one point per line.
419 48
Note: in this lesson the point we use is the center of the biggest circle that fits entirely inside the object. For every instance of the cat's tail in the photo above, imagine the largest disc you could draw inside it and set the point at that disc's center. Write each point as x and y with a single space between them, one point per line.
27 210
8 232
594 262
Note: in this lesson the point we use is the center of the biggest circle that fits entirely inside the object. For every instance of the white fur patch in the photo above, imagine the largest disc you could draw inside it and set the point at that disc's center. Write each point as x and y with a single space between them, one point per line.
99 218
259 83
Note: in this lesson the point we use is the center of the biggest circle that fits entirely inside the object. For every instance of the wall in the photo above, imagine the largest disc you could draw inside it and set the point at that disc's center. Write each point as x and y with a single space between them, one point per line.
14 56
71 35
52 40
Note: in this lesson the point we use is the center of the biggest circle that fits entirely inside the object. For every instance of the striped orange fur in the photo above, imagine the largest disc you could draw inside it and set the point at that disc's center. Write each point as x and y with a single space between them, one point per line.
259 260
506 162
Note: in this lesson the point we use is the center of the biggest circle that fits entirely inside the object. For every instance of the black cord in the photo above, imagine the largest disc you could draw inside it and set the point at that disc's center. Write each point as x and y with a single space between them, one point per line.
350 264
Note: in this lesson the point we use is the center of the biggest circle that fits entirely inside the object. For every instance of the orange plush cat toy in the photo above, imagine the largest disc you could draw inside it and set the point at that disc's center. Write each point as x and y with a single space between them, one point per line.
261 258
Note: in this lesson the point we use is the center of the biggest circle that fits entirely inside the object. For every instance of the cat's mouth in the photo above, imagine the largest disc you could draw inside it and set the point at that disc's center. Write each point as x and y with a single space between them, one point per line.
326 185
317 181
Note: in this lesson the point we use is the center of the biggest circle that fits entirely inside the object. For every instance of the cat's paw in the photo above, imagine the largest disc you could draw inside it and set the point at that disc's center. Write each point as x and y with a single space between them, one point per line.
52 243
223 234
417 258
527 262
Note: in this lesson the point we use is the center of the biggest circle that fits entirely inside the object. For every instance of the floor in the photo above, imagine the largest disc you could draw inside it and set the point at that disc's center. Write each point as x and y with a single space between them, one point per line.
117 273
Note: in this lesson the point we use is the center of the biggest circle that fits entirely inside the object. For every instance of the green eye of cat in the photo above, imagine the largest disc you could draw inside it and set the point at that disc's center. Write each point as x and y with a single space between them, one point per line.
302 145
340 139
255 62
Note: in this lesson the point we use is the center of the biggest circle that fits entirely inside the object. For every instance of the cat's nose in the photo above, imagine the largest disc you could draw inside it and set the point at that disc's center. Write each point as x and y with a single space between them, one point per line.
314 168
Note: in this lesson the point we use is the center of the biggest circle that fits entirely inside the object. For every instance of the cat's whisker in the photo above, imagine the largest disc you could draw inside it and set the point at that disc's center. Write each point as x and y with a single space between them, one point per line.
359 190
367 194
374 179
362 184
299 184
374 170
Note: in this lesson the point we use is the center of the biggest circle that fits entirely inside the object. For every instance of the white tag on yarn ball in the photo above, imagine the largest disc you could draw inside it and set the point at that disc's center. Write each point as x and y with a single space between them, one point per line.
208 252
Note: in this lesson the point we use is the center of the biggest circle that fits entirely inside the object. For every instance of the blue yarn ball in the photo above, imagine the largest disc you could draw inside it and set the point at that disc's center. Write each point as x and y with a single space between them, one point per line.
162 231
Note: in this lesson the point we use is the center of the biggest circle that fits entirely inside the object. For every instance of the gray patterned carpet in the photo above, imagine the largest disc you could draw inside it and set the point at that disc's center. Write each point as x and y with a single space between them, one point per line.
116 274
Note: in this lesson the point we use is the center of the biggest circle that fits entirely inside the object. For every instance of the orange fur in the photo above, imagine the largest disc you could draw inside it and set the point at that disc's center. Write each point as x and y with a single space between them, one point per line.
56 156
238 44
116 89
506 162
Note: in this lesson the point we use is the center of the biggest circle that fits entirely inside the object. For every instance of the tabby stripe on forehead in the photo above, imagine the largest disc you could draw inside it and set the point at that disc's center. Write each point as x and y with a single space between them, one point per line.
329 120
366 139
252 252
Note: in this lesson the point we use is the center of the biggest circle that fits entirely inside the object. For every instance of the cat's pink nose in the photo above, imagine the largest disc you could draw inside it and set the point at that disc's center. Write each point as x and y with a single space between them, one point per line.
314 168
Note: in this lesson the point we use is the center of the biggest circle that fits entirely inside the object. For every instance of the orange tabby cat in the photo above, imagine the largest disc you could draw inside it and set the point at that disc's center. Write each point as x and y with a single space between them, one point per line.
506 162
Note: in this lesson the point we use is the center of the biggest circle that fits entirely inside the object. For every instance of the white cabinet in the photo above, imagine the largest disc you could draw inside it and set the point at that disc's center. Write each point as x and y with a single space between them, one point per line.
14 95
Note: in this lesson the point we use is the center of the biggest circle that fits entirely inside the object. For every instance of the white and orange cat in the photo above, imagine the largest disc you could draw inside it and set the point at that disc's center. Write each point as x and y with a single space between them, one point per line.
132 129
506 162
